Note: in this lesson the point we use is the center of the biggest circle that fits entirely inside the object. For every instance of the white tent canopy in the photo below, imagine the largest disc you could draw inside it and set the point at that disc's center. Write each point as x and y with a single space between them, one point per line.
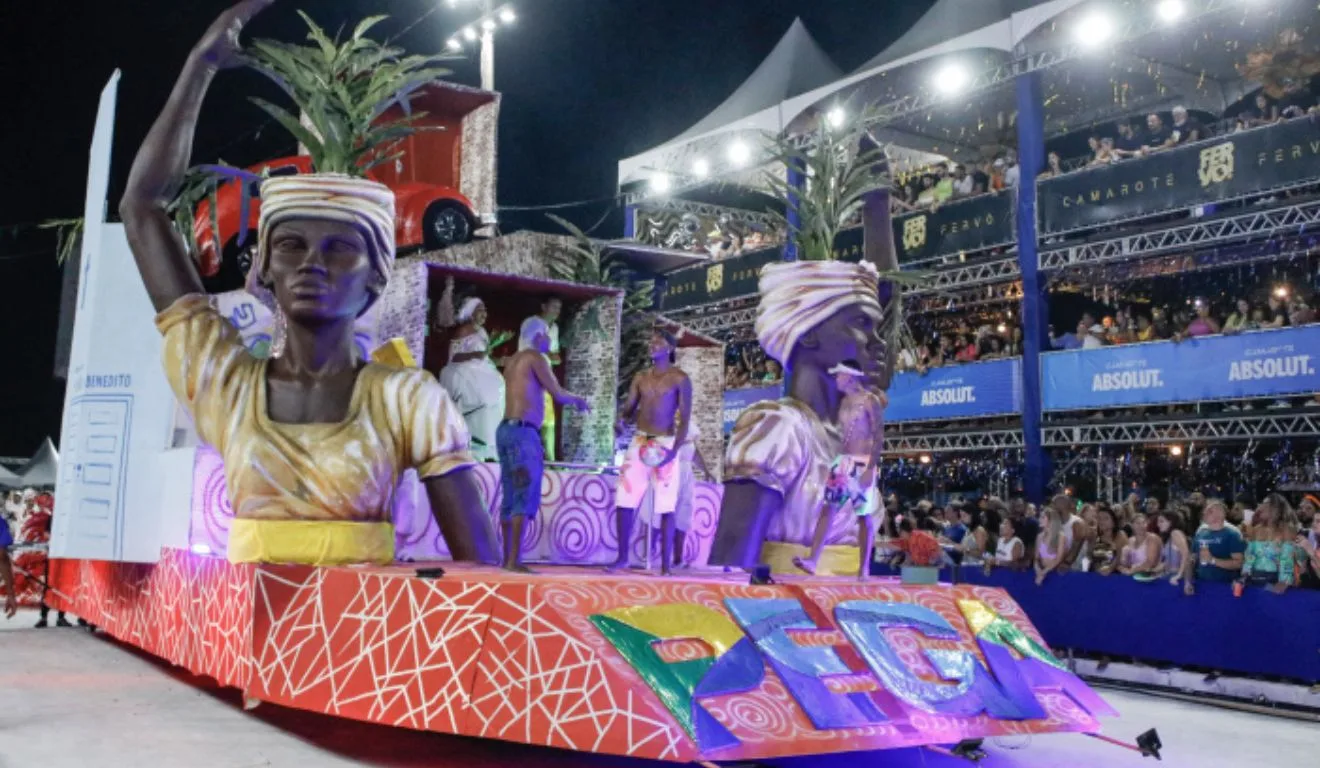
1195 64
43 469
9 479
795 65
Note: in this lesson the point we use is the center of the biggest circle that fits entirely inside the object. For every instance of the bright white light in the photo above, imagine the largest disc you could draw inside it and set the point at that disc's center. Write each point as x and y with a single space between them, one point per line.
1175 450
1095 30
469 33
660 183
488 24
508 16
200 549
1281 292
700 168
1170 11
951 79
925 458
739 153
454 45
1002 328
835 117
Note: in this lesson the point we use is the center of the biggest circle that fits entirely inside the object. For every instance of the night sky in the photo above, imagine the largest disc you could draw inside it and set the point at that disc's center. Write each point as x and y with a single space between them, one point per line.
585 83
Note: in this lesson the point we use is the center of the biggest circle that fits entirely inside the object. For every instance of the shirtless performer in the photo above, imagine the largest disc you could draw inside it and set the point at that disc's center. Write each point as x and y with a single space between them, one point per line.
852 486
660 399
528 380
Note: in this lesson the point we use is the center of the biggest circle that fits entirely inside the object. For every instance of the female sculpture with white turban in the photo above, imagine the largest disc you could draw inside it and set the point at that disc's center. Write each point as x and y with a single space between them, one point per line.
470 376
315 439
813 316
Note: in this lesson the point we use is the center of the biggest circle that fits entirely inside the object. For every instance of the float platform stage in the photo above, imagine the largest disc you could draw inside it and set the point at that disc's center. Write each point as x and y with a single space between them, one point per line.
698 667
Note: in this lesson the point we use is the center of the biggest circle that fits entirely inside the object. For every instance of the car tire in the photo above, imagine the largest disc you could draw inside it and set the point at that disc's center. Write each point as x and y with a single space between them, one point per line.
446 223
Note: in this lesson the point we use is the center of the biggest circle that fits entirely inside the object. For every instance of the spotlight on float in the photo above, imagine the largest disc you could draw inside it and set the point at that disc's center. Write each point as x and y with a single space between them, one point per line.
835 117
1281 292
660 183
1170 11
739 152
924 458
1095 30
454 45
700 168
1175 450
508 16
488 24
1001 328
952 79
469 33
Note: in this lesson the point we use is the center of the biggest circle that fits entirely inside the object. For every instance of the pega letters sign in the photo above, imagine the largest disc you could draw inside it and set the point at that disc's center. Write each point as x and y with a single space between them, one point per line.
832 693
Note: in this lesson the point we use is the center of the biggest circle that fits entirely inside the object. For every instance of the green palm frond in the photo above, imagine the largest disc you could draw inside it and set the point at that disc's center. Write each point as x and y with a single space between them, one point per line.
839 176
341 88
841 168
68 232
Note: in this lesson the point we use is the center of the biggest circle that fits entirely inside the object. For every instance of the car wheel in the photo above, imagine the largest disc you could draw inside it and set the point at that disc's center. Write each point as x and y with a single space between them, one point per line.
445 223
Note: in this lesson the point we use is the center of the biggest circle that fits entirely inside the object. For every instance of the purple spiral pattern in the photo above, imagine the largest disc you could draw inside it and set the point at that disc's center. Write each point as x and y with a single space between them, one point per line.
575 526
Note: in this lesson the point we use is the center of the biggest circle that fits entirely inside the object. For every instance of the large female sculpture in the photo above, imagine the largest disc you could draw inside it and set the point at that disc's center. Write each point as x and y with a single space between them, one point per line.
813 316
313 440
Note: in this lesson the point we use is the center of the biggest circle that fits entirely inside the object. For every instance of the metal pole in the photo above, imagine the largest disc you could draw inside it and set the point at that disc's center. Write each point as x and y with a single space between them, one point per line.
487 51
487 60
1035 308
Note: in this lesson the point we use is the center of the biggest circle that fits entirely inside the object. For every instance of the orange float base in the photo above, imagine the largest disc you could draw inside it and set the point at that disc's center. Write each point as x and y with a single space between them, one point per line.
484 653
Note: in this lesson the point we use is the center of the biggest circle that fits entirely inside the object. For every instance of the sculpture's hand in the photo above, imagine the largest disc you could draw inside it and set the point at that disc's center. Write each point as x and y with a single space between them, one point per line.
220 46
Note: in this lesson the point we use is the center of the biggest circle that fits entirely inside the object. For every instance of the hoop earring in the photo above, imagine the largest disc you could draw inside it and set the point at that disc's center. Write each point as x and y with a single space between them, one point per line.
279 333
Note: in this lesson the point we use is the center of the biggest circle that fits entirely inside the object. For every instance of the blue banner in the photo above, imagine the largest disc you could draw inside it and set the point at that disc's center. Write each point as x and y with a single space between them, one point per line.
1256 364
738 400
972 390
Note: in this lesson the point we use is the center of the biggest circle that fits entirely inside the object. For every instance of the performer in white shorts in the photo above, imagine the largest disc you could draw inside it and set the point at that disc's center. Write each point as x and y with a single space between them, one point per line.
688 459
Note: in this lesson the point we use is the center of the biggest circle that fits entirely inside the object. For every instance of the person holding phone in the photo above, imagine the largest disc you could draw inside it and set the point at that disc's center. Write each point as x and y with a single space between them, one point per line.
1219 547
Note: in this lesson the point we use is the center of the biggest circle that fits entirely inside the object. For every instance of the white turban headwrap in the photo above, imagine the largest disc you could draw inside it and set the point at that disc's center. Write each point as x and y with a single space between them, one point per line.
367 205
468 308
534 326
797 296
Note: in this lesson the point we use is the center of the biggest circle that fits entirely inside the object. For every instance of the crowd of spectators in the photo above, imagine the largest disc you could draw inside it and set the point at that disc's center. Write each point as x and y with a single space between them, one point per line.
961 342
1274 544
746 365
1199 317
929 188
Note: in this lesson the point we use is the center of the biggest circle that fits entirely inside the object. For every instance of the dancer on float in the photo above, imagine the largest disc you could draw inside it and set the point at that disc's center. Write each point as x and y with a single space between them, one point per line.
313 440
532 390
853 484
813 315
470 376
551 306
689 458
660 399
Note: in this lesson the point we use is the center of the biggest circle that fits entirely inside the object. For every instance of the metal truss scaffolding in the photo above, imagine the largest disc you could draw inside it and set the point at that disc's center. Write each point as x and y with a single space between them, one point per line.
1215 429
708 209
979 440
717 321
1196 235
969 275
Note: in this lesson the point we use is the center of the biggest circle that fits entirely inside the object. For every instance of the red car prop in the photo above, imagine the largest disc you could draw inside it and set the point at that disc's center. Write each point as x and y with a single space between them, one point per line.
428 215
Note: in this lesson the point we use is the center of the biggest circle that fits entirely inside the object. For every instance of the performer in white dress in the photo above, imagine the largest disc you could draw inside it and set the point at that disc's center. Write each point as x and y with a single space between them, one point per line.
470 377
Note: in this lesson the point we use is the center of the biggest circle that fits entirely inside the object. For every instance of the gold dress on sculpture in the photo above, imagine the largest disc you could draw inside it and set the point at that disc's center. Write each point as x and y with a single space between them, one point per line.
784 446
307 493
